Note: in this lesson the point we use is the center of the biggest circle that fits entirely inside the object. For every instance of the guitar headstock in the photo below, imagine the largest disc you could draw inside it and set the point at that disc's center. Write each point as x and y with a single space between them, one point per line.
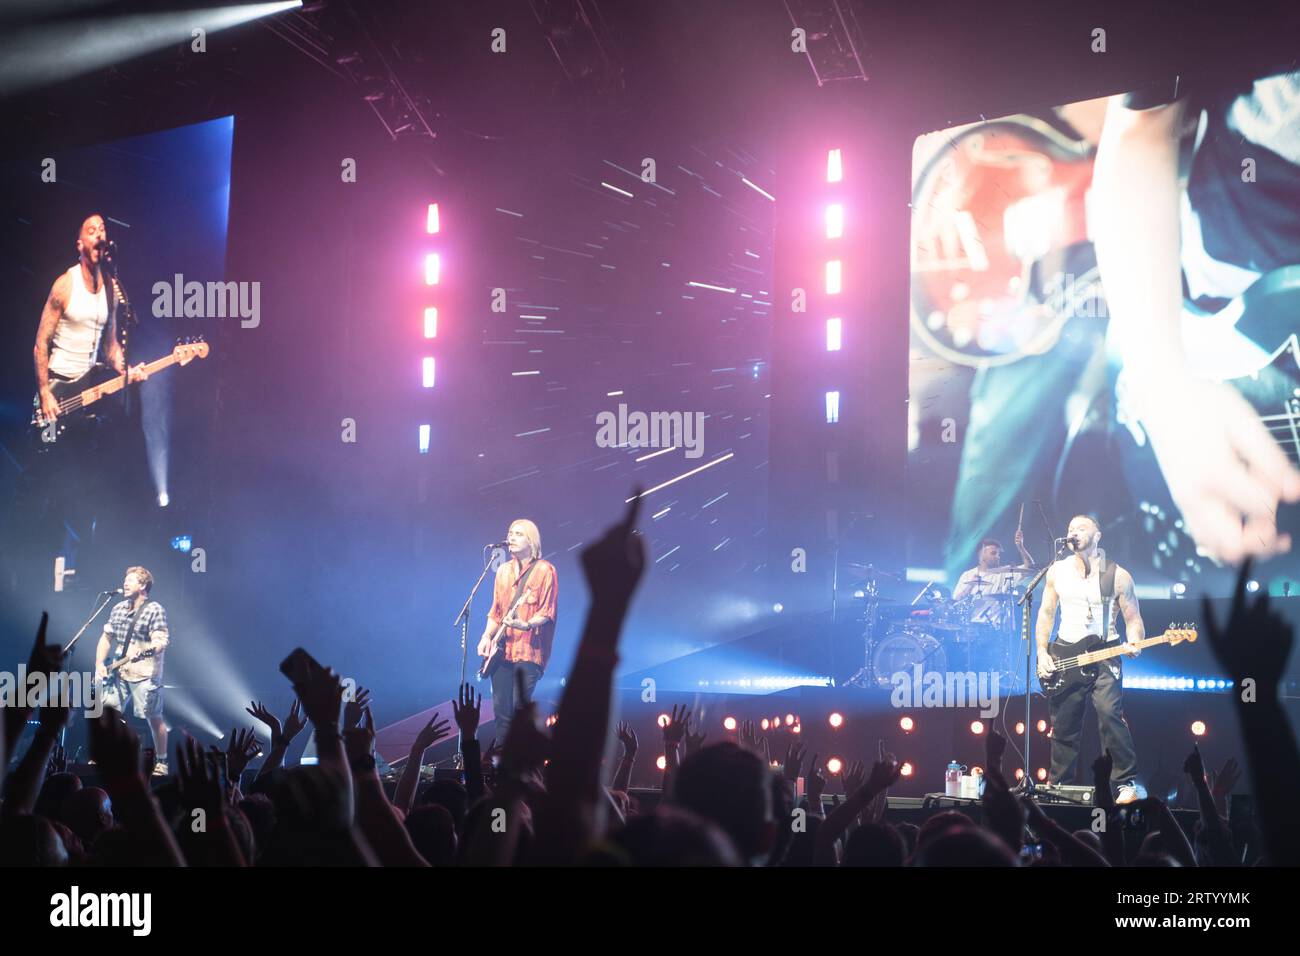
185 352
1181 632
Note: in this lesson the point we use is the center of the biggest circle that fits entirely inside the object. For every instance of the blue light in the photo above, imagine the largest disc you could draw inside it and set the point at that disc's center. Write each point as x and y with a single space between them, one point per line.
424 439
182 543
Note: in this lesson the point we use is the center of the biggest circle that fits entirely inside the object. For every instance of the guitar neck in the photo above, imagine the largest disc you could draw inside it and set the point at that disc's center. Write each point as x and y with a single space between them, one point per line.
1092 657
115 384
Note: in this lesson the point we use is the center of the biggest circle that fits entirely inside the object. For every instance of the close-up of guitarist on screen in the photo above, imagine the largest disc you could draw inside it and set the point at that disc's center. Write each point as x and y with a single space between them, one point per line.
1086 586
521 623
74 320
1214 391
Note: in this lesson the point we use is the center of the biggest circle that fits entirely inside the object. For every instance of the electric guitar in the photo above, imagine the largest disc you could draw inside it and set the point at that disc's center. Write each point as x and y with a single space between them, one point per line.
100 381
496 654
110 678
1075 663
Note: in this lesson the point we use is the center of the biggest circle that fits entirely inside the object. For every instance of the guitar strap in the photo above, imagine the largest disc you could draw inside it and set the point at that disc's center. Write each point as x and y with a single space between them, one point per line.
130 631
519 585
1107 582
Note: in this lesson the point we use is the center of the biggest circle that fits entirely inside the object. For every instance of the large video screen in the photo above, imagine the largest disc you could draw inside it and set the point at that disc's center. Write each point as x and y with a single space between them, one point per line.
1103 314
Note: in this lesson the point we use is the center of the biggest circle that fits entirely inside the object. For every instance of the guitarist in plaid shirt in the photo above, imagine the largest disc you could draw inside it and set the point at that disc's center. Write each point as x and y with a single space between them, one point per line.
530 630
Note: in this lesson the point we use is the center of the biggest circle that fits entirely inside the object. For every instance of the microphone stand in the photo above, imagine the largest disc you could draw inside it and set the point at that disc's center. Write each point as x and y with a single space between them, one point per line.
462 618
108 599
1026 601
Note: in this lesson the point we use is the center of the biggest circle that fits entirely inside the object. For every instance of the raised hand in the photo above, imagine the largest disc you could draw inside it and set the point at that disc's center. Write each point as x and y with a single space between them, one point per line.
674 728
242 747
627 737
747 738
198 777
465 710
694 741
1225 780
359 739
793 763
113 745
258 712
1193 766
1255 642
854 778
436 729
526 746
815 783
353 708
294 722
995 745
58 762
613 565
884 774
322 696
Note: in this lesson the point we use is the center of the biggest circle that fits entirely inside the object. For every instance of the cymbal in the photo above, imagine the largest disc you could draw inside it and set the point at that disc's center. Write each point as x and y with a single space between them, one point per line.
870 571
1011 569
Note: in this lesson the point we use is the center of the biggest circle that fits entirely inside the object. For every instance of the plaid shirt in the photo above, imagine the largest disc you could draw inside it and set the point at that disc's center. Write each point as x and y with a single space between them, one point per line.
152 621
540 591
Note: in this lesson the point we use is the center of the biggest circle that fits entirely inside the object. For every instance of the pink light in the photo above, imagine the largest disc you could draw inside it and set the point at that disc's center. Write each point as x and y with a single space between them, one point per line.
834 166
907 770
834 221
977 727
1042 773
789 718
664 720
432 225
797 729
1042 726
428 371
662 762
431 268
834 335
836 720
834 765
834 277
1020 727
764 723
1198 728
431 322
906 724
729 723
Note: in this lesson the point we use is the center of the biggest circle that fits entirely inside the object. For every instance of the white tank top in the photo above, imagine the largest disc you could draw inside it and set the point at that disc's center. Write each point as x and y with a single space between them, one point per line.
76 337
1079 600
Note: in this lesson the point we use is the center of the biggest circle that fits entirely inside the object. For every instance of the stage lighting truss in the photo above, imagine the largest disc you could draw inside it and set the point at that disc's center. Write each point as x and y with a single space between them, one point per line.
835 44
313 32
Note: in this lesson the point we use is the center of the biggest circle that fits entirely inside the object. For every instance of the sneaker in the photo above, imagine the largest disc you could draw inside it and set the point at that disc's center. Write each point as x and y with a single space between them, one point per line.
160 768
1127 793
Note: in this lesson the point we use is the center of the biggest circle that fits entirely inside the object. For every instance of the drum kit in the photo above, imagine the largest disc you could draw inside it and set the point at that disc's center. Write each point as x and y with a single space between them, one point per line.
979 632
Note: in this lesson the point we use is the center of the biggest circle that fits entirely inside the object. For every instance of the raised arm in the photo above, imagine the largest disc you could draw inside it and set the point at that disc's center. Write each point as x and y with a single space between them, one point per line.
623 775
1224 471
1253 647
568 814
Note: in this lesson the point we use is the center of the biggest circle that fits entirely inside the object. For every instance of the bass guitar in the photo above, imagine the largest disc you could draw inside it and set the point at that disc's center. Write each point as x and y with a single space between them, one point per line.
1076 663
101 381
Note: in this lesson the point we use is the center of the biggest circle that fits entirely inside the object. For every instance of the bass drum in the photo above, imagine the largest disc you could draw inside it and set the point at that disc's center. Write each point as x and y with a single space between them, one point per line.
902 650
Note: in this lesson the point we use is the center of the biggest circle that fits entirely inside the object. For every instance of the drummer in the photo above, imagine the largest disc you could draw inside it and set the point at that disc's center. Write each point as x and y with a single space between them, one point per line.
990 576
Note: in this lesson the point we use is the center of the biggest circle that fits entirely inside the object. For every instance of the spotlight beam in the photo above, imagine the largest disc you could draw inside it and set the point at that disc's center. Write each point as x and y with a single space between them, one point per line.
43 54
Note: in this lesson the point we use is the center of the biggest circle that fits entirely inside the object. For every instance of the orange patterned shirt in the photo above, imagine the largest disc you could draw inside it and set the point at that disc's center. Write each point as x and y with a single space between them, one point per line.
540 591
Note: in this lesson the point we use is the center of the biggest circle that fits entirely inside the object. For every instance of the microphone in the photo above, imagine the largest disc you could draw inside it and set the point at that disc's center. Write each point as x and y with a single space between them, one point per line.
108 249
1073 542
499 544
114 591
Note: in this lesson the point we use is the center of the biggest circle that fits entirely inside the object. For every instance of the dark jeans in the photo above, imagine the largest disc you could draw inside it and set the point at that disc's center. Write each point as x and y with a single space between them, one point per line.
1067 727
504 700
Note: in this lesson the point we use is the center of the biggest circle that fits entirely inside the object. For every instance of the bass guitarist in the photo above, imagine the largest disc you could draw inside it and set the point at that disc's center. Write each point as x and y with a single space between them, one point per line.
519 641
1082 585
74 320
